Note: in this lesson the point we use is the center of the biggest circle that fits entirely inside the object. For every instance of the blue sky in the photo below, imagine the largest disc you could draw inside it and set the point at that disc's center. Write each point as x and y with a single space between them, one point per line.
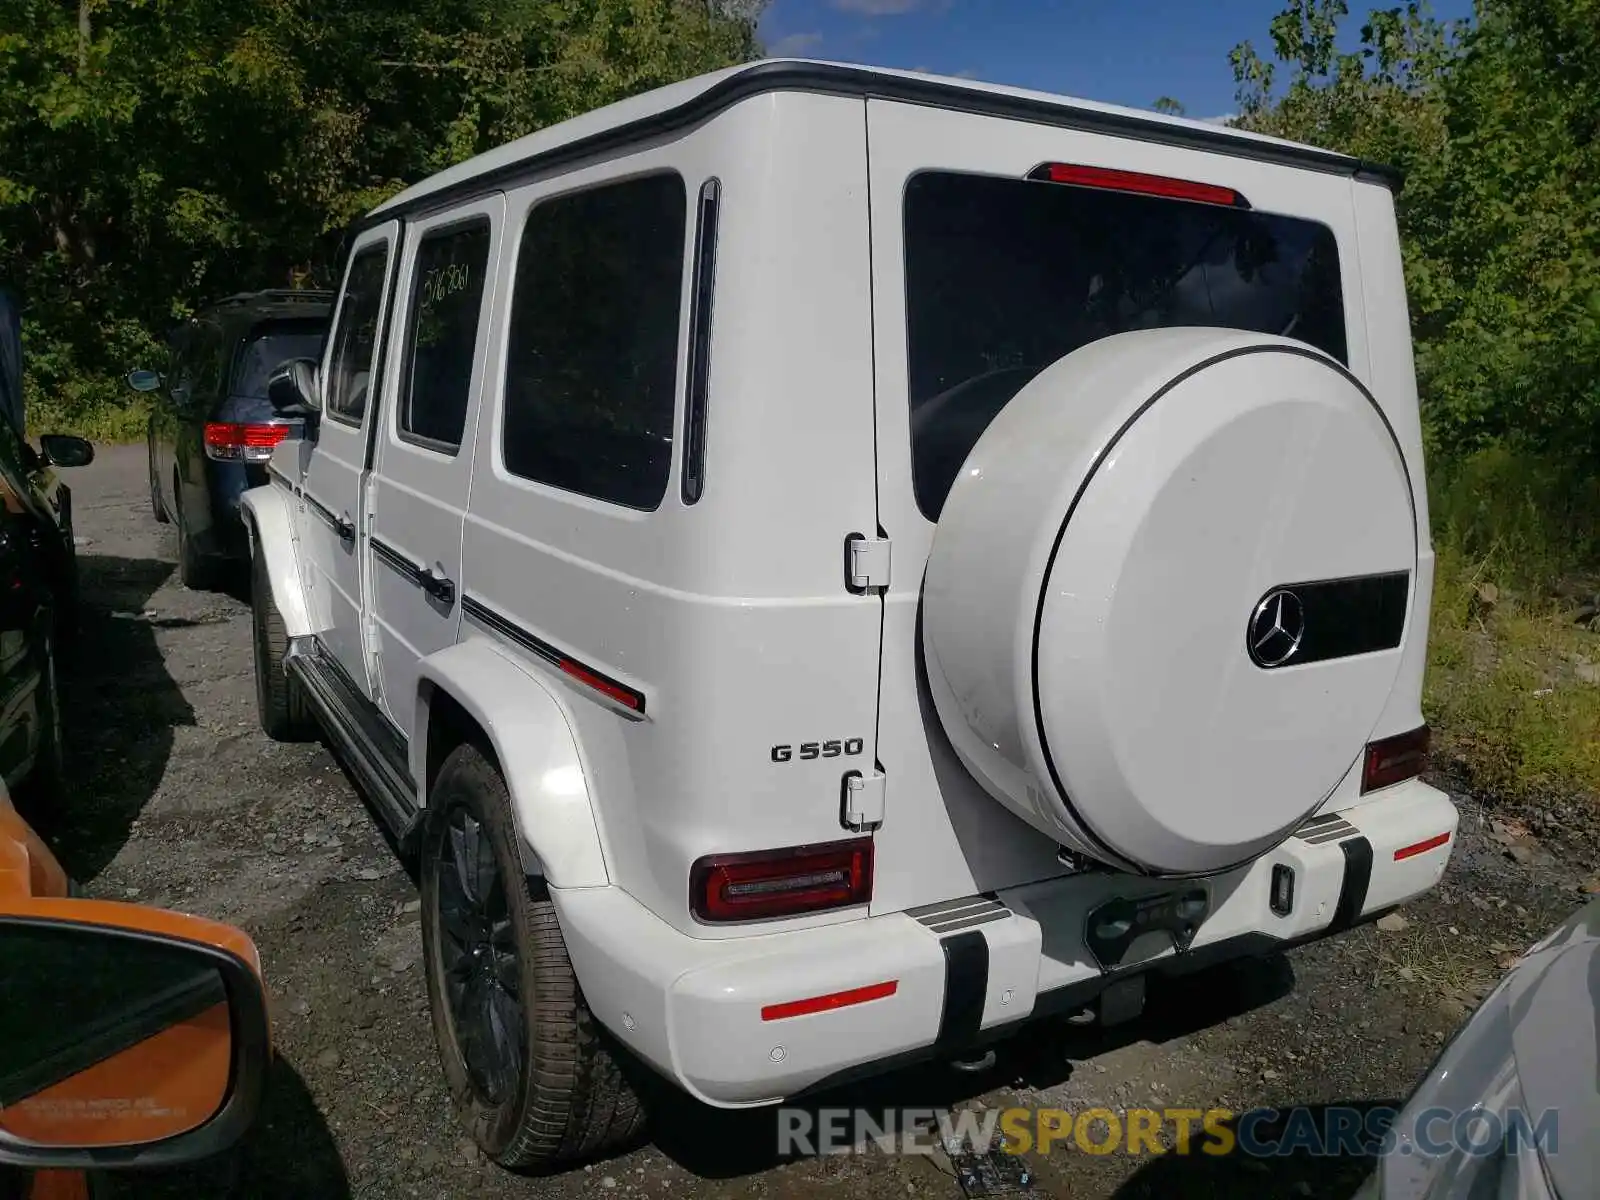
1121 51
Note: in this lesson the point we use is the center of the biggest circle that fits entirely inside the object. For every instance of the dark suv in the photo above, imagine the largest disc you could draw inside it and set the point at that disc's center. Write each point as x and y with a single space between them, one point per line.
211 427
38 584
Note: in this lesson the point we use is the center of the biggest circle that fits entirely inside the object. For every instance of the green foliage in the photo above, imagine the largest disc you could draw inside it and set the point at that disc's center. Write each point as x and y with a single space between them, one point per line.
1513 684
1495 124
158 153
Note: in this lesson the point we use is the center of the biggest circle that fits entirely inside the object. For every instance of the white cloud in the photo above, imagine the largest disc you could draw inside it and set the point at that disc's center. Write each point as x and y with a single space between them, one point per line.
794 45
878 8
1224 119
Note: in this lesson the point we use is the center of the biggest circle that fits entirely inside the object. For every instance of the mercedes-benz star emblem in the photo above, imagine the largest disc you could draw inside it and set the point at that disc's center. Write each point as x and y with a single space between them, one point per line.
1277 628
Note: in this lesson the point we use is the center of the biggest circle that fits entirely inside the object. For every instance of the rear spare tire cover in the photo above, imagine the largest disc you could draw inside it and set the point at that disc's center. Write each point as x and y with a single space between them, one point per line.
1168 592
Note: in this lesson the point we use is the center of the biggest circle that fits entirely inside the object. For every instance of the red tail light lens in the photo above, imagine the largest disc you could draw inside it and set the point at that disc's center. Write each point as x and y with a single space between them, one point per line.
228 441
1137 181
1395 759
781 883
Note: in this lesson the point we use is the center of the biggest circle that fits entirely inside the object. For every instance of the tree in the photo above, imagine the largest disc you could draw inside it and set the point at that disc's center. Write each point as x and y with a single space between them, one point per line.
1494 123
1166 104
155 153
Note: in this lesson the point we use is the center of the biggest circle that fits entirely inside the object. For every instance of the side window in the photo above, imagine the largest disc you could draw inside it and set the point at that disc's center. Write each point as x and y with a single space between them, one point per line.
180 366
212 353
446 303
350 368
592 360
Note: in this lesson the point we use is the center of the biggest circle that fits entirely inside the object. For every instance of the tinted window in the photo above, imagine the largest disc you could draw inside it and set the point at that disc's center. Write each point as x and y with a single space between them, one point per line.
268 348
208 360
1005 276
350 371
592 361
446 299
180 369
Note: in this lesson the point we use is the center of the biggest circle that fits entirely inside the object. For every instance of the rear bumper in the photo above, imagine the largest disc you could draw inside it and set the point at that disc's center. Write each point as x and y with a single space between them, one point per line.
962 971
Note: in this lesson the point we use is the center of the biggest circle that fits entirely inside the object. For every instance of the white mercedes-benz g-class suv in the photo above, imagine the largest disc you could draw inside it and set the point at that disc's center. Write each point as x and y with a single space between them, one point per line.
825 565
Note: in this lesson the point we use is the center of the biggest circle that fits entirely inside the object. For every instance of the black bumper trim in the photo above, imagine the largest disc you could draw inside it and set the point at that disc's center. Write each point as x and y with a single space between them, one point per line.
1353 888
966 985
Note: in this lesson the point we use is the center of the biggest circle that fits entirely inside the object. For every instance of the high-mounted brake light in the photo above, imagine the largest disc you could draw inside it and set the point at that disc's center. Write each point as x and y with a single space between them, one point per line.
1137 181
1395 759
781 883
232 441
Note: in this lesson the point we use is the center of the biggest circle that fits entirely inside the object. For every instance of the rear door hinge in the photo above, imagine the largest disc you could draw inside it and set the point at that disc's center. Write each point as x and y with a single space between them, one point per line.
866 563
862 810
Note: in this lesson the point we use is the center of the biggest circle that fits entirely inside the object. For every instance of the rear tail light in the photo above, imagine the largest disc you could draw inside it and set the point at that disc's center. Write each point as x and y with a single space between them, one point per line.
231 441
1137 181
781 883
1395 759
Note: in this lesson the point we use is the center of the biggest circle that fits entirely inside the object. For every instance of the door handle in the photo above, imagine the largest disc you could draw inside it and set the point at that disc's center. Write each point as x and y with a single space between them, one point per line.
345 527
437 585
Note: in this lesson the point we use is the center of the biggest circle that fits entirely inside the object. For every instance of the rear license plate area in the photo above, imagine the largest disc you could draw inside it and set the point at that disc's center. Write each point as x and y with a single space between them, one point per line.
1129 930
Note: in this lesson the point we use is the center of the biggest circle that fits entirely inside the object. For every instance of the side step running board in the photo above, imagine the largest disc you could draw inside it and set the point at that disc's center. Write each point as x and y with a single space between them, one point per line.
374 750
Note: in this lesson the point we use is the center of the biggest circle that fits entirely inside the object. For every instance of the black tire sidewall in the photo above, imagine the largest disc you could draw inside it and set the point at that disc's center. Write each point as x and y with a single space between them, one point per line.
279 704
194 570
468 779
261 651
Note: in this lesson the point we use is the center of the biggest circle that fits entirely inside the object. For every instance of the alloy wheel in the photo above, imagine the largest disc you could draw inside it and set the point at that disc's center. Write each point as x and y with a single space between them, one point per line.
481 973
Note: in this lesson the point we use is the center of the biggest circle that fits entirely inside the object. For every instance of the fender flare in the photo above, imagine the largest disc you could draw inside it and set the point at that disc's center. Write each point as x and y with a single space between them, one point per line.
532 739
269 521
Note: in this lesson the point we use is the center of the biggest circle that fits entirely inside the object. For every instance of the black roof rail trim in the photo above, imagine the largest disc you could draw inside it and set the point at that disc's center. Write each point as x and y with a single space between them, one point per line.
833 79
268 296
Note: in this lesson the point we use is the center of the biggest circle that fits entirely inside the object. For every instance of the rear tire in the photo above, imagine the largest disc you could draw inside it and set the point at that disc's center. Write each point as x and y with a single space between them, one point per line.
158 510
280 703
537 1081
42 795
195 571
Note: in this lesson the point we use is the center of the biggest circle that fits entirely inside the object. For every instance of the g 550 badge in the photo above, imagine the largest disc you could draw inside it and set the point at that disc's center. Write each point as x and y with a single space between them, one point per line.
846 748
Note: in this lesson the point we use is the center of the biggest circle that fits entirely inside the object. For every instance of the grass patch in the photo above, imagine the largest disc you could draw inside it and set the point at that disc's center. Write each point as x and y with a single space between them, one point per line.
105 411
1513 684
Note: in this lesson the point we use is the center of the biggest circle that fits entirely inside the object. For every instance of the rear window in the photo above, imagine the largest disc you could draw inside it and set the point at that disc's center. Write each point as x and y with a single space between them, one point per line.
1005 276
267 348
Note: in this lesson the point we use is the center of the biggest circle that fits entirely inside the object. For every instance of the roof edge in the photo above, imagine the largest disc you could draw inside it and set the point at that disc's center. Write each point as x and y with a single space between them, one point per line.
781 75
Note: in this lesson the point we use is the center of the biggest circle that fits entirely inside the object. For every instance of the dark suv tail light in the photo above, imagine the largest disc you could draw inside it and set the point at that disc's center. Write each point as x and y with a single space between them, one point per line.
781 883
228 441
1395 759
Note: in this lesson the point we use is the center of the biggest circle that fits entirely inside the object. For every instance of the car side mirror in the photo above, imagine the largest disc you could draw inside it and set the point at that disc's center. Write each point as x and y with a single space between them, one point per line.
135 1037
64 450
294 389
144 381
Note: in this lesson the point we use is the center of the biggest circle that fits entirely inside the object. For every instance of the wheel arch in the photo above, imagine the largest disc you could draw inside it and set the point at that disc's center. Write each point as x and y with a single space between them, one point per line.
269 525
475 692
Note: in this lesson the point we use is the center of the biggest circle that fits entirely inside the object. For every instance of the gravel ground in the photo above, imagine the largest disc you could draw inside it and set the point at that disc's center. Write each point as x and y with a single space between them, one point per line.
180 801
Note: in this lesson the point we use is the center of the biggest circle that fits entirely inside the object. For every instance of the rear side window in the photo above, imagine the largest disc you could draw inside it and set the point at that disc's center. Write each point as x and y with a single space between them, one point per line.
267 348
592 360
350 371
1005 276
446 303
